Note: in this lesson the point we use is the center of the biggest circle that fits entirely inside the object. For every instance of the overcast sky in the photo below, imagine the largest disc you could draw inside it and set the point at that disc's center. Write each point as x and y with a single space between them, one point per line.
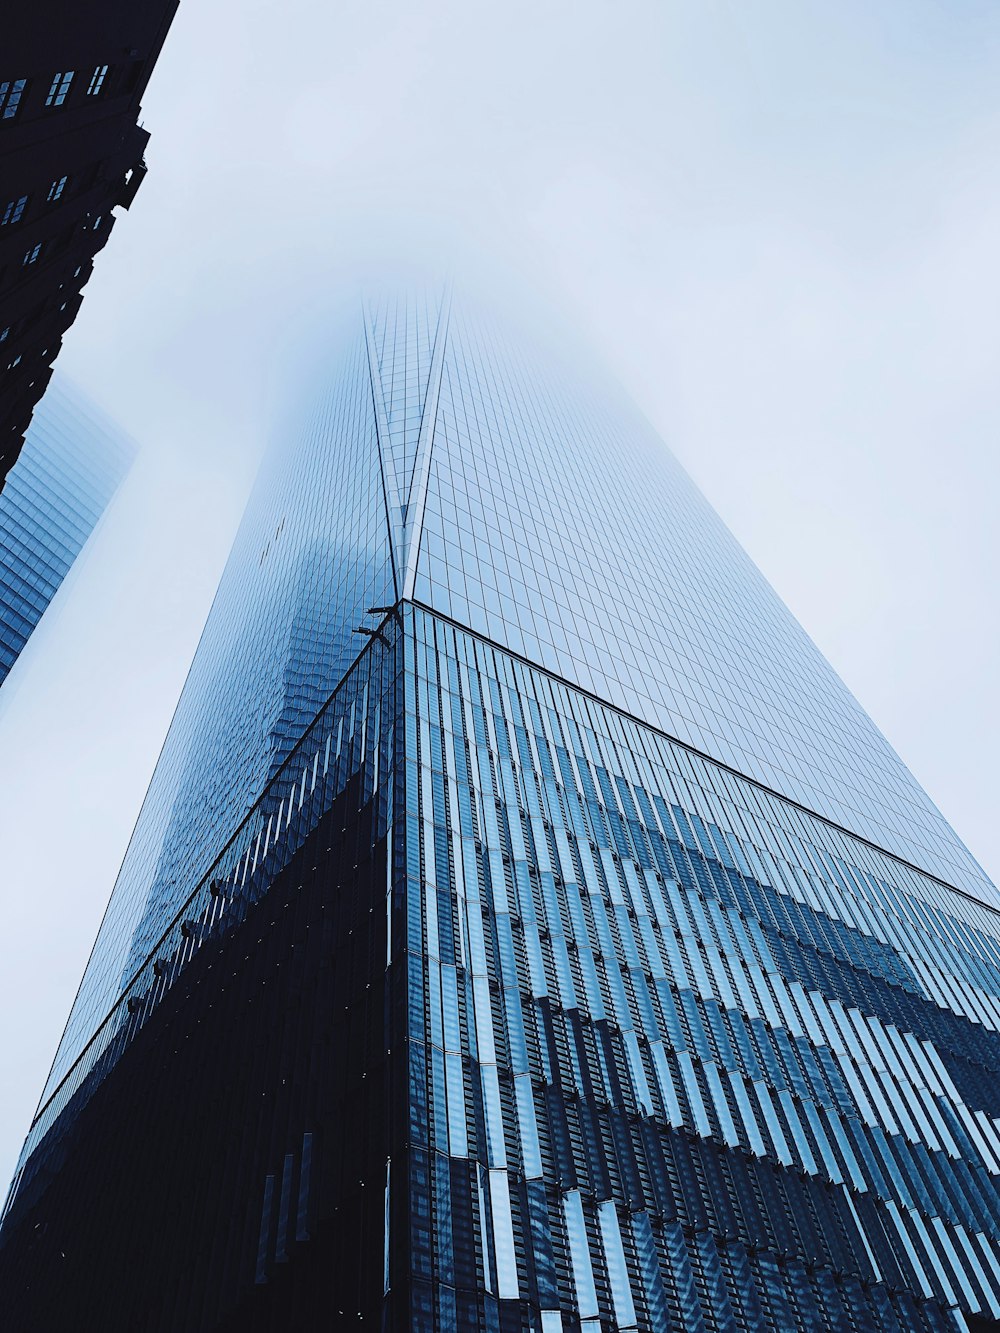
776 220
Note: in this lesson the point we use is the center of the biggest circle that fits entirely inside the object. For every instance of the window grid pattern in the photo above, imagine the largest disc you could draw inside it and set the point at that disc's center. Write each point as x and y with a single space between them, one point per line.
403 332
352 740
59 88
559 525
555 524
56 189
11 92
675 1051
70 466
697 1048
97 80
679 1054
311 555
14 211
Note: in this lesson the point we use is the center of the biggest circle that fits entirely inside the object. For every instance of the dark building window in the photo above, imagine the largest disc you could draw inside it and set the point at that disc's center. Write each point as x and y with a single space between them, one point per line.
97 80
60 87
4 334
11 91
56 189
12 212
31 255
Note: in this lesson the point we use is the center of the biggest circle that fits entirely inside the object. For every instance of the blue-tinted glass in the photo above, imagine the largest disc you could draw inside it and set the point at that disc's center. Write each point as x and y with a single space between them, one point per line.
71 464
310 557
558 525
691 1000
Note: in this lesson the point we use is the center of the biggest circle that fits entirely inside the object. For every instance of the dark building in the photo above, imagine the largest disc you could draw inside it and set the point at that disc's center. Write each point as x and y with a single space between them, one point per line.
589 963
71 150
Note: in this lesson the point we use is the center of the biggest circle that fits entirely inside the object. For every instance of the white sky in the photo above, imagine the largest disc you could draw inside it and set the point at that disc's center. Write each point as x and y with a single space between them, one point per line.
775 219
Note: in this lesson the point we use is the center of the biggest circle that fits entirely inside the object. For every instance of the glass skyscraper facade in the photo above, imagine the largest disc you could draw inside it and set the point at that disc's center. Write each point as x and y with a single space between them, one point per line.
525 929
72 462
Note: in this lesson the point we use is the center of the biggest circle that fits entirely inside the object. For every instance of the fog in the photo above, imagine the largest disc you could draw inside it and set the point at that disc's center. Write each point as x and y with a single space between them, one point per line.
776 222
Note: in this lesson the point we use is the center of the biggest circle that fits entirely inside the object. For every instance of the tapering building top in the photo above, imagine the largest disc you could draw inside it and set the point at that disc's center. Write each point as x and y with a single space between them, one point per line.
567 968
534 508
457 465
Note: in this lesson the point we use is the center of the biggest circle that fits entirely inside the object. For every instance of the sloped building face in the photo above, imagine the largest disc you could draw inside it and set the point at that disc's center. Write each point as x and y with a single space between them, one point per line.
590 962
72 463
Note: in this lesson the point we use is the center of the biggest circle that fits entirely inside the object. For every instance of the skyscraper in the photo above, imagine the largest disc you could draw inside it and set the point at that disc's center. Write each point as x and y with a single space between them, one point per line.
589 961
71 150
72 463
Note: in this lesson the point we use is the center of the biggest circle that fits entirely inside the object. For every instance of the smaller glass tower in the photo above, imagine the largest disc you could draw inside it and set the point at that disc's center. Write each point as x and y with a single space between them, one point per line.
73 461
